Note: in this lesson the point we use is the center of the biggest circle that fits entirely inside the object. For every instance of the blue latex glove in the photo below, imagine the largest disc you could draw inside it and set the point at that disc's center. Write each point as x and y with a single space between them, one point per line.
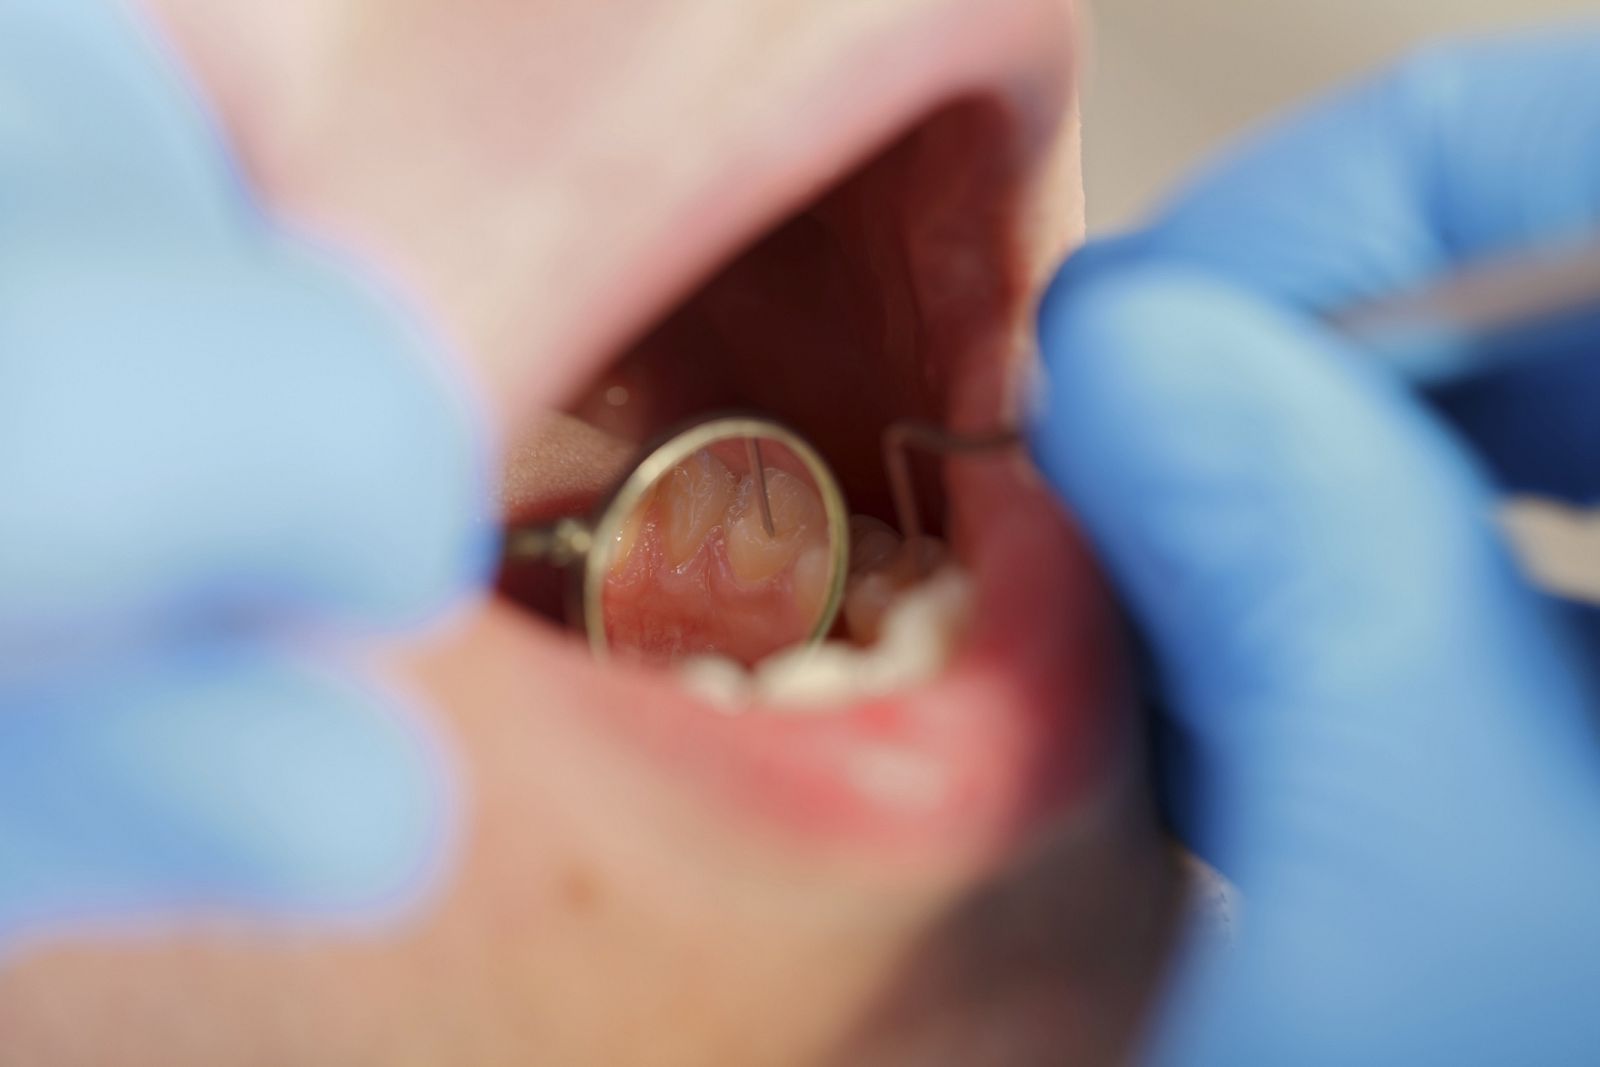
1379 731
215 443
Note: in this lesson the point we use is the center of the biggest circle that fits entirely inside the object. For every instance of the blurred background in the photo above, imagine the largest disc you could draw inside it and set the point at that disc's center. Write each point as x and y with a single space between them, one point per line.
1170 79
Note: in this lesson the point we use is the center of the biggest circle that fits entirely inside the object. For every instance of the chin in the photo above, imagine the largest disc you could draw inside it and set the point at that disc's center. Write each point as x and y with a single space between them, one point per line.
960 868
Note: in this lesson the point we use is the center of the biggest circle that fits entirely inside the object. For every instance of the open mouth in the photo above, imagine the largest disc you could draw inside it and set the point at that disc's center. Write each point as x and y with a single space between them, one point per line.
973 683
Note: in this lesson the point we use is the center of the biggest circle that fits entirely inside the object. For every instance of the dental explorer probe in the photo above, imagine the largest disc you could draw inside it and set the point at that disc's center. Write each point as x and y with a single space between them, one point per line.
1411 330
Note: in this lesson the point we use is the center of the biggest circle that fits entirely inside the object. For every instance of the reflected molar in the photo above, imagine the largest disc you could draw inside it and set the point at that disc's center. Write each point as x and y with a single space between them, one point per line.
798 522
694 499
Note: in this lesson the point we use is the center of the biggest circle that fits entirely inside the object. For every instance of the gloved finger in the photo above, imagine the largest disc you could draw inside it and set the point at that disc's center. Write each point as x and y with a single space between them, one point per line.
1469 151
216 781
213 434
1533 420
1311 556
197 417
90 94
1355 669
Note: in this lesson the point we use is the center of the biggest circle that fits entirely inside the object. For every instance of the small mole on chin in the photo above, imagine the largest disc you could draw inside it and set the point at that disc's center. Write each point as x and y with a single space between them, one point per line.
580 892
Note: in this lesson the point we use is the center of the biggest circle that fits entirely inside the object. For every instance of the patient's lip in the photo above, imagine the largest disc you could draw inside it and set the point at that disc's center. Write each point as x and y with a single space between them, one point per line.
837 85
879 81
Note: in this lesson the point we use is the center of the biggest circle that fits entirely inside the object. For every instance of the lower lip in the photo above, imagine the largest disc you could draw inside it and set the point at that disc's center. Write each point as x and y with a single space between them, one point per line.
1023 728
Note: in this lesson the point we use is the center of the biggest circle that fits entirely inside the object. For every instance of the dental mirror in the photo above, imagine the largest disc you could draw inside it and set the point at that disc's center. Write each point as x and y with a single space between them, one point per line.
730 539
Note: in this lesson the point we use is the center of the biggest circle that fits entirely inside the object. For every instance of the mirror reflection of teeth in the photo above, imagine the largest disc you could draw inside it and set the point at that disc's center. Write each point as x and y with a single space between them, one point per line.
694 500
798 524
715 552
700 565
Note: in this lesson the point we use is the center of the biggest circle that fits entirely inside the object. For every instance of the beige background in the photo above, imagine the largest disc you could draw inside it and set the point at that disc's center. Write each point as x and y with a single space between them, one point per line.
1171 79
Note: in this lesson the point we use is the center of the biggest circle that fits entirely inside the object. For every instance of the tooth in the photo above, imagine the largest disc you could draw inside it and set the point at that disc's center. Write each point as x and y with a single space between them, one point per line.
866 599
797 520
695 497
919 634
873 543
885 567
717 680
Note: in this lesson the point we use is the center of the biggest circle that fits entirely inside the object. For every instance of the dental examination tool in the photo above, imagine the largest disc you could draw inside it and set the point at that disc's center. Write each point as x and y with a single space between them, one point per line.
749 447
1411 330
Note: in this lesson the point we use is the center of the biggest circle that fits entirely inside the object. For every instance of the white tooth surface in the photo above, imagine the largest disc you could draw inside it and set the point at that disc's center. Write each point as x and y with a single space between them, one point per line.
720 682
873 543
882 566
919 634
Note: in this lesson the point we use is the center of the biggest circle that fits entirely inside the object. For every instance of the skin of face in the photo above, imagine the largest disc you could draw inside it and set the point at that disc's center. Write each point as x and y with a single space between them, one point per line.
545 177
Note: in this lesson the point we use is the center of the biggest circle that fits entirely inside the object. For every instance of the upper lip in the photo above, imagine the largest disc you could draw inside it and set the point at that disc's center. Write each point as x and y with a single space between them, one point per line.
1032 709
827 120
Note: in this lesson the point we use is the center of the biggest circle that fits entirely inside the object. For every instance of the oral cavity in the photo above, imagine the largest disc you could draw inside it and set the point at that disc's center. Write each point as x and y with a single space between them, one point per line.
698 579
905 608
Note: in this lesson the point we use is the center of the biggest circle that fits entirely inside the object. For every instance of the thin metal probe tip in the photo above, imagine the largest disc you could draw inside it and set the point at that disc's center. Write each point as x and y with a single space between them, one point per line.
902 436
758 467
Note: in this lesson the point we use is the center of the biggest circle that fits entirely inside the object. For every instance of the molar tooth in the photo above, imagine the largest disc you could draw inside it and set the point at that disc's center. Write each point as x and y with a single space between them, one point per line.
882 574
920 633
717 680
866 599
873 543
797 520
695 498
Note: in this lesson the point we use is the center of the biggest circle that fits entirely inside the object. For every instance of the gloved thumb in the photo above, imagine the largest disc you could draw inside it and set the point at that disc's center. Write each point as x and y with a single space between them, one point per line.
1311 553
1356 667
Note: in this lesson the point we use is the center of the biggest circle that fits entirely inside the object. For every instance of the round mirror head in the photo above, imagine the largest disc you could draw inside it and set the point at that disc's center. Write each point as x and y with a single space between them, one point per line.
730 540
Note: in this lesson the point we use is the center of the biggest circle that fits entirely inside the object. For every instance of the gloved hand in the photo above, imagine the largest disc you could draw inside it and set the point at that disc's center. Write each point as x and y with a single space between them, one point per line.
1379 731
220 455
